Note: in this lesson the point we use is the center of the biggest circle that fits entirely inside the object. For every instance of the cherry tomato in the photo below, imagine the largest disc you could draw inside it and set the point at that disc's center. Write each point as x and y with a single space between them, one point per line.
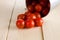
29 23
38 22
43 3
45 11
20 24
37 15
48 5
30 8
33 3
31 16
27 13
20 16
38 8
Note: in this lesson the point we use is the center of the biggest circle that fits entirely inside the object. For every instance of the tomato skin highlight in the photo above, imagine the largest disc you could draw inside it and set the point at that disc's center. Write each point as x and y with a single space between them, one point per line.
20 24
38 8
31 16
29 23
37 15
30 8
39 22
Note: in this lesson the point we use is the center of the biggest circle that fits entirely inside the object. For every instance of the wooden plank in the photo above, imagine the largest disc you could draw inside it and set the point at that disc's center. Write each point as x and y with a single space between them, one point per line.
51 25
18 34
6 7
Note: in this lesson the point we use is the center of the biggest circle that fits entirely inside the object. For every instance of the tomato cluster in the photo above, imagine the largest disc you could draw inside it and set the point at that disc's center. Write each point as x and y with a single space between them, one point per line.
33 17
41 6
29 20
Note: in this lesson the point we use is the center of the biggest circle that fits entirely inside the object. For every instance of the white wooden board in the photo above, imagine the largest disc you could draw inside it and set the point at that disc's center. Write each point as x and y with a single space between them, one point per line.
51 25
6 7
15 33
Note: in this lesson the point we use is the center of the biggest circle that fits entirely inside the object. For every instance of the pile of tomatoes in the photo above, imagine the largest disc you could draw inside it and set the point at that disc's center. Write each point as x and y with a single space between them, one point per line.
41 6
33 17
29 20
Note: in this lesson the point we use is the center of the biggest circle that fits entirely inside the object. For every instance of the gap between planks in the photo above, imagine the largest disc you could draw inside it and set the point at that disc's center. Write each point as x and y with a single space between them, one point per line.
10 19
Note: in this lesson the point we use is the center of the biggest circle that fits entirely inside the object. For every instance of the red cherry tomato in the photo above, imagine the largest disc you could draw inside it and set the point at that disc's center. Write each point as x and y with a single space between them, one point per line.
20 24
45 11
37 15
31 16
38 8
29 23
38 22
20 16
48 5
30 8
33 3
43 3
27 13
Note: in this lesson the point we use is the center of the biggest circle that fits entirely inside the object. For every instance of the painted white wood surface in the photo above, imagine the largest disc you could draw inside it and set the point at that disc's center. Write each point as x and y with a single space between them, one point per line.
18 34
6 7
51 25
